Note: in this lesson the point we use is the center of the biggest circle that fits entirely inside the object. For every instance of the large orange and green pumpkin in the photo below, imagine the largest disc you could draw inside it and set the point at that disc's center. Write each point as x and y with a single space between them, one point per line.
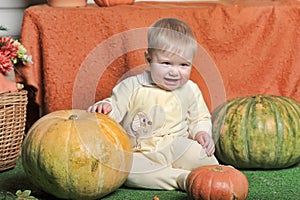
259 131
217 182
74 154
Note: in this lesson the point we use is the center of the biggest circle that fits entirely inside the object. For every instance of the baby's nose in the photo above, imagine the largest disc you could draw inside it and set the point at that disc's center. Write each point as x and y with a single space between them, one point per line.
174 71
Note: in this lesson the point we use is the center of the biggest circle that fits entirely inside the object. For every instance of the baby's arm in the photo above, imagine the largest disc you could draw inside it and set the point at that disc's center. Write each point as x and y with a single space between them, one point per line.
206 142
100 107
116 106
199 120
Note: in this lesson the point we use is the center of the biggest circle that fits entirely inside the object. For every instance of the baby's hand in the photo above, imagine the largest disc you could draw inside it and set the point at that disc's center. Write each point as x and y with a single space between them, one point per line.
206 142
101 107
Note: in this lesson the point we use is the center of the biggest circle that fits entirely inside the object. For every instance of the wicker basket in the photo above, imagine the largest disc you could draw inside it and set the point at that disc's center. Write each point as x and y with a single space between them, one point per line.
12 127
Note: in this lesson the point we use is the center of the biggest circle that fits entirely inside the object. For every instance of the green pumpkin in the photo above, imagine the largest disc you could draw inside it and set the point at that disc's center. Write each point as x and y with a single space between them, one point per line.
260 131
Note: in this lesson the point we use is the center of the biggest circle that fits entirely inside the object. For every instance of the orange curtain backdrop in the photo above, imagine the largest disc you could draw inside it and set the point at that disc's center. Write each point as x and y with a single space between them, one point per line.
247 48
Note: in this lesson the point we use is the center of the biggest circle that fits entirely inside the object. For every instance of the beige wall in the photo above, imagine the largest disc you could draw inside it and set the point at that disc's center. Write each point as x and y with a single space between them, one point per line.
11 15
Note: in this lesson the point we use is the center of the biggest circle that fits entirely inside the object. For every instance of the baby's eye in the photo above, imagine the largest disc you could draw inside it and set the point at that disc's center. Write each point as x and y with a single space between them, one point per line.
166 63
184 64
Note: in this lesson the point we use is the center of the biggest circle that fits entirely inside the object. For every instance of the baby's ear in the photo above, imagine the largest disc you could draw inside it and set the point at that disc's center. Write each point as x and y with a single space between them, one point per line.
147 57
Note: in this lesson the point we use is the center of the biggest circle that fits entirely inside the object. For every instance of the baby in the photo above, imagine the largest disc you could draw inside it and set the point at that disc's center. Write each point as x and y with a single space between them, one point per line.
163 112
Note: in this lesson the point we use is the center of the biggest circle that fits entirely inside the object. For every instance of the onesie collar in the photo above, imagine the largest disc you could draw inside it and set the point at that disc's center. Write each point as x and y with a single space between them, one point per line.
145 79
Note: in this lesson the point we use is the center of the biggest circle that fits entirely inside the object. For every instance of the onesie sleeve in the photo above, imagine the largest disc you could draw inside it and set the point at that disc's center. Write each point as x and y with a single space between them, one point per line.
199 117
120 98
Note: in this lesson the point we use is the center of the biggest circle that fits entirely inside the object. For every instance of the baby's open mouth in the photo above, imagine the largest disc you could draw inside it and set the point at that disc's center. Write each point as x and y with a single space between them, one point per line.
171 81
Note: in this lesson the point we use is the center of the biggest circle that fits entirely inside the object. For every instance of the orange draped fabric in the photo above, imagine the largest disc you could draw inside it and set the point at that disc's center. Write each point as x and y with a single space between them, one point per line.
79 54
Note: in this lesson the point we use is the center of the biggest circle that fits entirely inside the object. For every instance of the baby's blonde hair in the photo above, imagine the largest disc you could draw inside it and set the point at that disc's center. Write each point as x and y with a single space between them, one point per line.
173 35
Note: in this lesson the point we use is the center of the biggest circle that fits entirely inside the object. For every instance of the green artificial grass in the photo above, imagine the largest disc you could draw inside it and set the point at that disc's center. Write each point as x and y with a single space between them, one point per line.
283 184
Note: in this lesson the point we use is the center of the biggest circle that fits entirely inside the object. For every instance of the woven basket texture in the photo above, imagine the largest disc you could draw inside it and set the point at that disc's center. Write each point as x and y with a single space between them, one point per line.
12 127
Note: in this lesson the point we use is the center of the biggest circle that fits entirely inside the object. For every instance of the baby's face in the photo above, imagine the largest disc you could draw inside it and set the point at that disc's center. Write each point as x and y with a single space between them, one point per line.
170 71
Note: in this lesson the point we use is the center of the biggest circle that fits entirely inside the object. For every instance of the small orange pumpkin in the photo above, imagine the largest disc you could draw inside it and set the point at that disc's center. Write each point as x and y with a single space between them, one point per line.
67 3
217 182
108 3
75 154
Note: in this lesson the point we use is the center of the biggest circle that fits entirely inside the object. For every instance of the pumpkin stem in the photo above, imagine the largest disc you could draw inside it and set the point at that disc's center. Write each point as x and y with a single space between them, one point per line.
218 169
73 117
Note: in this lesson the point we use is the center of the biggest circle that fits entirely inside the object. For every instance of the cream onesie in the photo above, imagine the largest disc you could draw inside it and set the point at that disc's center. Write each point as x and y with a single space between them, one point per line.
161 125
